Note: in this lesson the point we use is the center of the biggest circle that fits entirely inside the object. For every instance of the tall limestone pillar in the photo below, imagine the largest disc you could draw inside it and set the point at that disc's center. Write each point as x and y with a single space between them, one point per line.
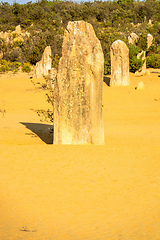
44 65
78 88
143 70
119 64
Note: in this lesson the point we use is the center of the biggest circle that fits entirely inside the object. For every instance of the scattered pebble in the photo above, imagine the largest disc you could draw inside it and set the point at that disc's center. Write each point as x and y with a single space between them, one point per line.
25 229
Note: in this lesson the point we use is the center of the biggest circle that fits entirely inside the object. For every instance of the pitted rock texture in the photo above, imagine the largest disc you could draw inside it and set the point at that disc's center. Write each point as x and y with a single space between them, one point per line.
44 65
78 87
119 64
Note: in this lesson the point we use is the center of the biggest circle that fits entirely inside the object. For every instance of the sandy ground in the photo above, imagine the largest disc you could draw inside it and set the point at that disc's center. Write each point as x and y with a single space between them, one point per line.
109 192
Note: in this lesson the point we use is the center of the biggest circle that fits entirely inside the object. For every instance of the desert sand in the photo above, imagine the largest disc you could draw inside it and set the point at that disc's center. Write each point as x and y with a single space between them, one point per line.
109 192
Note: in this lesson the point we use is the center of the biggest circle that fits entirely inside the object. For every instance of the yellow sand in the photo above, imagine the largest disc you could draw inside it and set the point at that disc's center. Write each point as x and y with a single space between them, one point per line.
109 192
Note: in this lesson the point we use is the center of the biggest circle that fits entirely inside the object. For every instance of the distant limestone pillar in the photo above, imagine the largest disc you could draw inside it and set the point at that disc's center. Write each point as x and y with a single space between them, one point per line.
78 88
119 64
149 40
143 69
132 38
44 65
142 55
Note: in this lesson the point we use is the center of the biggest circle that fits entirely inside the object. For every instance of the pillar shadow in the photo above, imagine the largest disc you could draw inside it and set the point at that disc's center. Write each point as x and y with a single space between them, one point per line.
106 80
43 131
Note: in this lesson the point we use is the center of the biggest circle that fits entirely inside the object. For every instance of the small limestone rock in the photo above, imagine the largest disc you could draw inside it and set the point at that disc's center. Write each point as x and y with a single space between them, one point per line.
18 29
5 36
139 74
119 64
150 22
148 72
78 87
140 86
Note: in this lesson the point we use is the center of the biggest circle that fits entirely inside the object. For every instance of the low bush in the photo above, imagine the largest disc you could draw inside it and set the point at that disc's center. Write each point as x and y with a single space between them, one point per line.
17 64
4 66
141 42
107 67
15 70
26 67
107 64
134 63
153 61
55 61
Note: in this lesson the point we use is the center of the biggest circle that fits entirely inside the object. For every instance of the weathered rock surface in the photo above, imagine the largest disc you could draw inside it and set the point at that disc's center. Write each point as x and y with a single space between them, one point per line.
119 64
132 38
78 87
52 74
44 65
142 55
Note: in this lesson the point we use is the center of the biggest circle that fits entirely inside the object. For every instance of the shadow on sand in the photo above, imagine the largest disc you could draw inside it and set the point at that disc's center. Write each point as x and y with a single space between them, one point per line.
43 131
106 80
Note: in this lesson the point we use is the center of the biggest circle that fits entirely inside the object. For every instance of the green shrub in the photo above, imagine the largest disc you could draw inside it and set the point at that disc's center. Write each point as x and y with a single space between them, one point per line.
107 64
142 41
153 61
133 50
55 61
107 67
17 64
15 70
134 63
4 66
13 55
26 67
17 43
37 50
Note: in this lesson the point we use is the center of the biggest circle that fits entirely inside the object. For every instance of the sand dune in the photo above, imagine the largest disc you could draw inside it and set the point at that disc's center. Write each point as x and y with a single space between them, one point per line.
109 192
